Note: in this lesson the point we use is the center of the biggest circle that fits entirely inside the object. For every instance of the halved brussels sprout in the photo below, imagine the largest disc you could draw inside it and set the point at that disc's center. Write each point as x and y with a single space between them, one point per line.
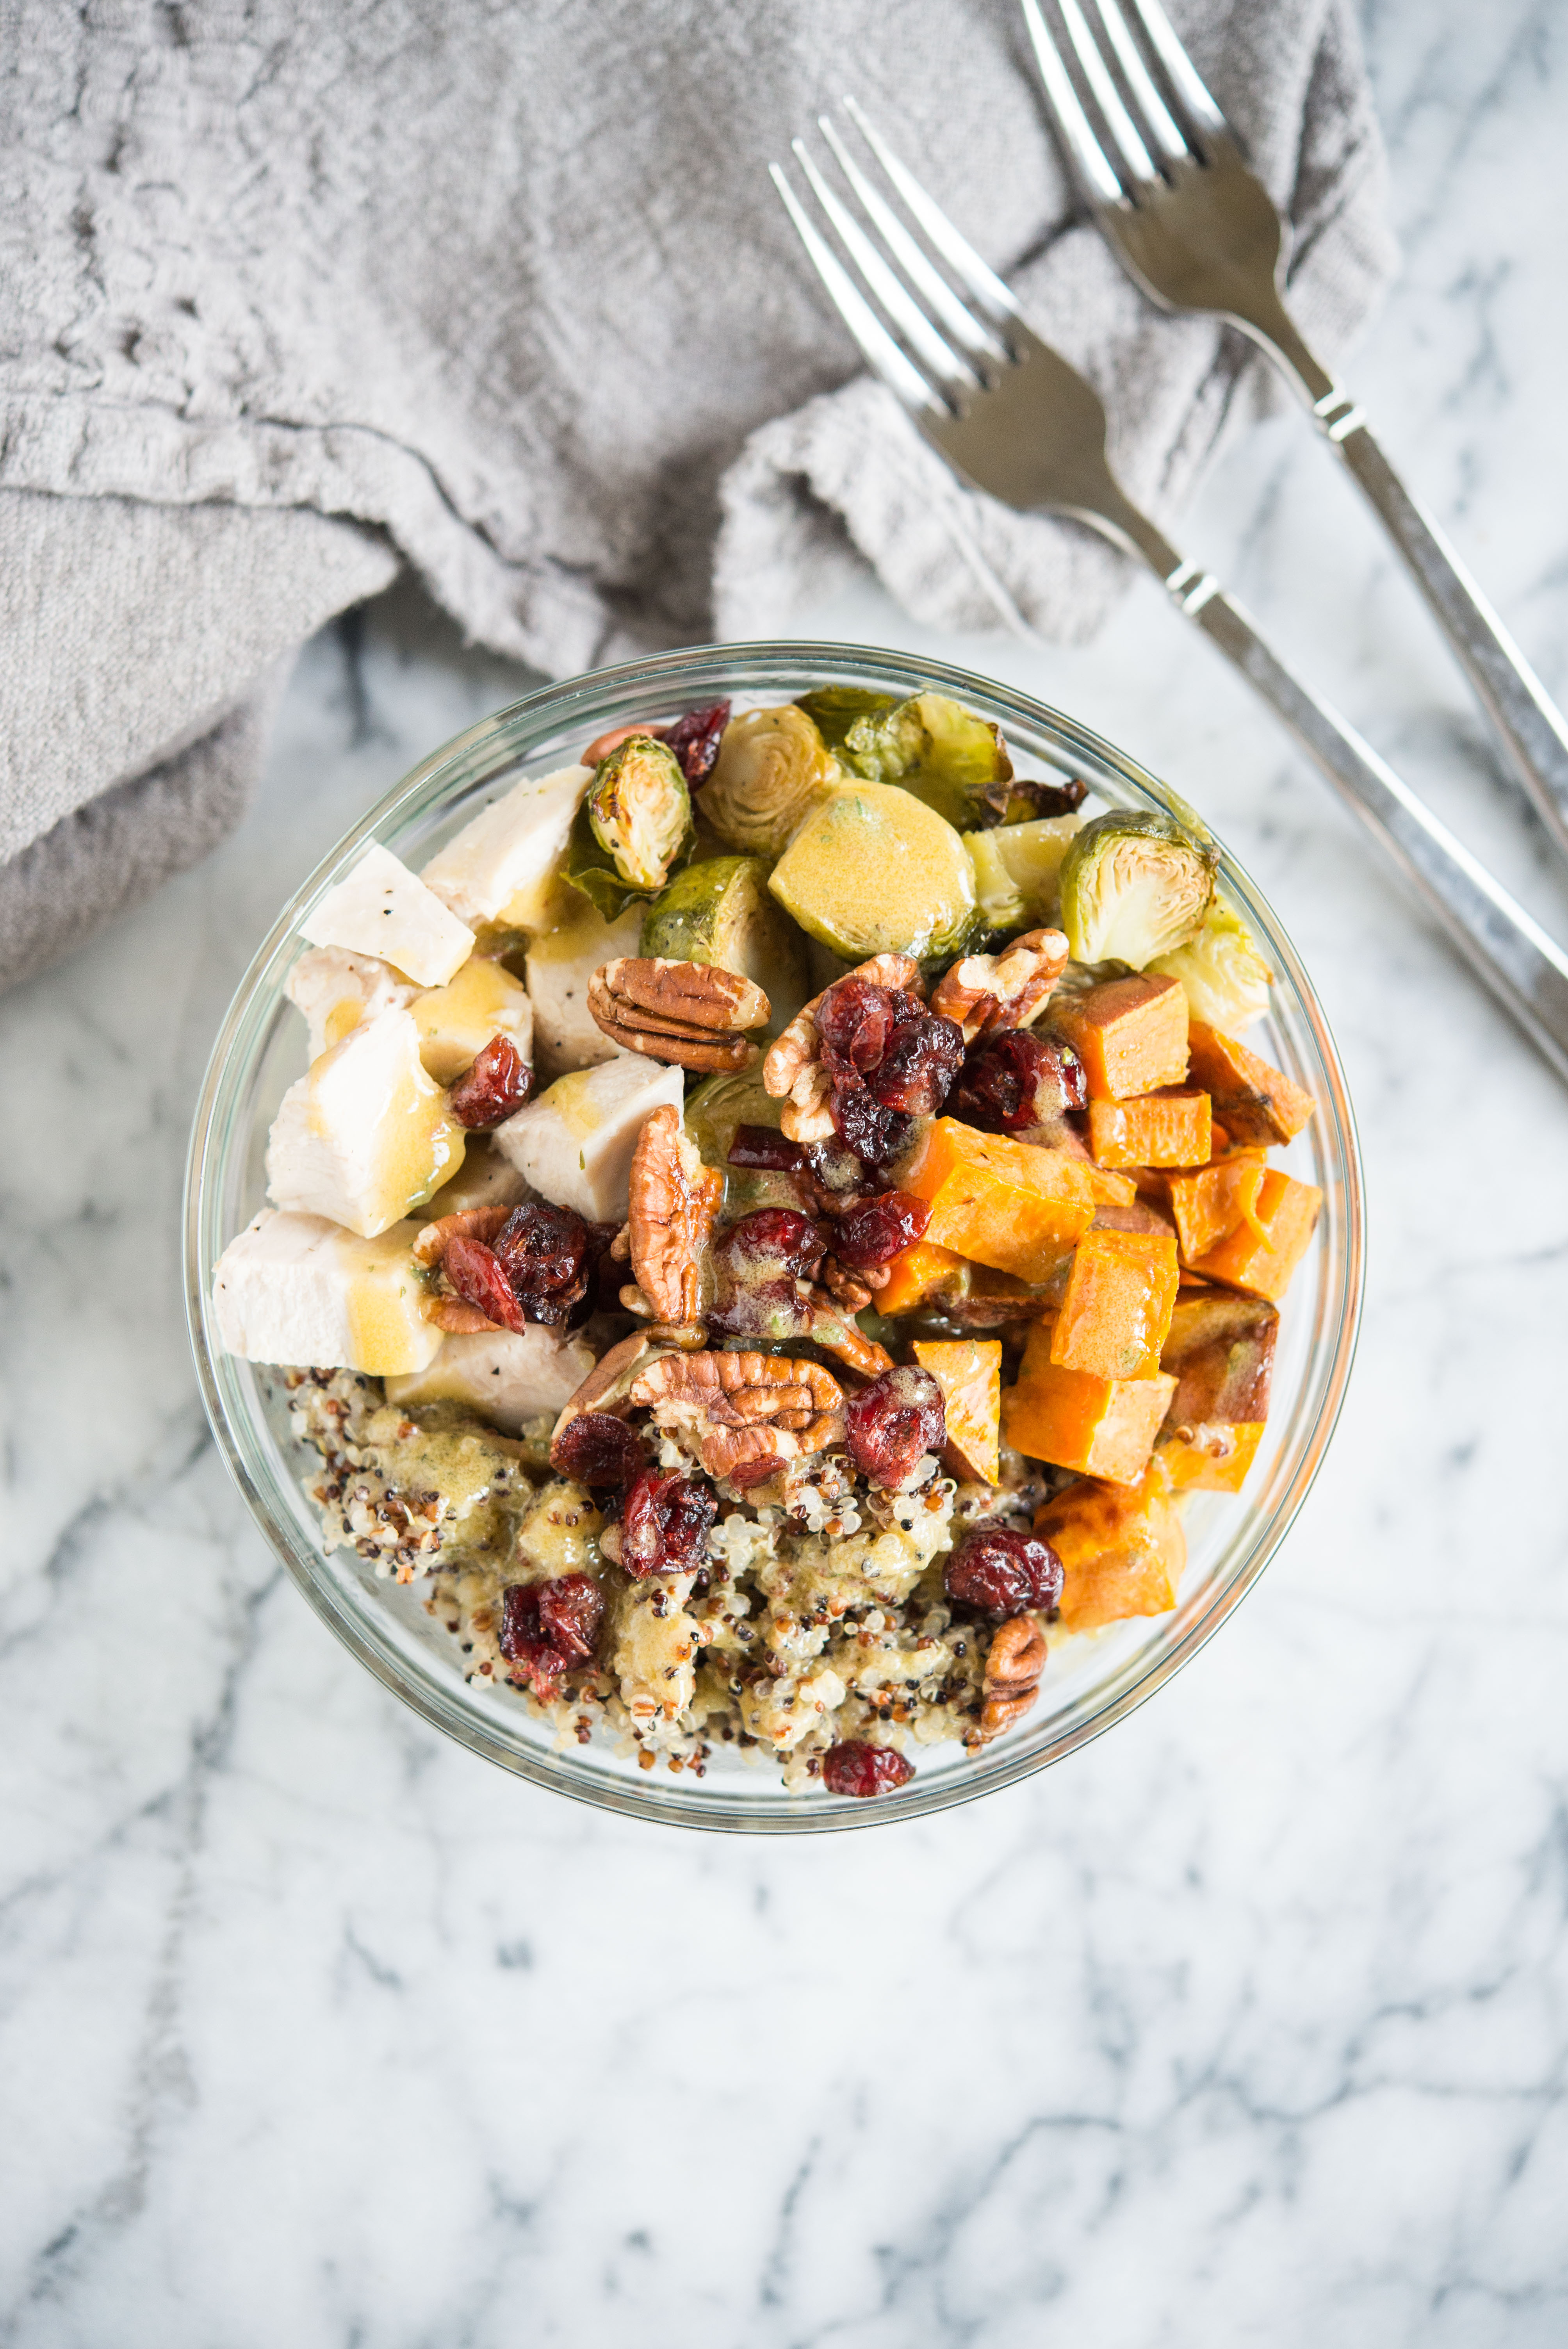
931 745
1134 885
875 870
1225 979
718 911
1017 868
834 709
713 1114
634 826
772 769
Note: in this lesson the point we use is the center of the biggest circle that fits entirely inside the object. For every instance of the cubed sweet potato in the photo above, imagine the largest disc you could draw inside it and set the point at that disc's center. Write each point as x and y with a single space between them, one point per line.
1211 1202
969 1373
1170 1128
918 1272
1102 1427
1255 1102
1129 1034
997 1201
1121 1546
1259 1256
1220 1350
1117 1309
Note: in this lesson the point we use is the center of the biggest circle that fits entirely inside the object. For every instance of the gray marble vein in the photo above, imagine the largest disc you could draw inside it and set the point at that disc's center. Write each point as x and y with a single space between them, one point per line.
1248 2024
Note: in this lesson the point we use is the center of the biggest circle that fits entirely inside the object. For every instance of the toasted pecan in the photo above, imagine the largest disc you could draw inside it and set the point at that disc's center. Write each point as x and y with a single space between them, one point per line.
693 1013
743 1409
1013 1667
674 1200
1005 991
792 1071
470 1224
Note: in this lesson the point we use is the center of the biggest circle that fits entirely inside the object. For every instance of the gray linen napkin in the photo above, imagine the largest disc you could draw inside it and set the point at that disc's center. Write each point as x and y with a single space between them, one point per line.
295 291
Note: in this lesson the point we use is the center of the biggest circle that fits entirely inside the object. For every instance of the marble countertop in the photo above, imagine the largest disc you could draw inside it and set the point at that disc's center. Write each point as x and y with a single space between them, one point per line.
1247 2024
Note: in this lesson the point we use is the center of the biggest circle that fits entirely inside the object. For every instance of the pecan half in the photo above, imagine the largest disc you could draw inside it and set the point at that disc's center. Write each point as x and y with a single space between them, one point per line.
835 1332
693 1013
846 1288
792 1071
743 1409
1005 991
1013 1667
456 1315
674 1201
470 1224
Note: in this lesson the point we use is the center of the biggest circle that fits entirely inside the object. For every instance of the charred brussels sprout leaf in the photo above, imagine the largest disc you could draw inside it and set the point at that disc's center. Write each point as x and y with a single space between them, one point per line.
773 767
1133 886
1225 979
633 828
718 911
834 709
934 747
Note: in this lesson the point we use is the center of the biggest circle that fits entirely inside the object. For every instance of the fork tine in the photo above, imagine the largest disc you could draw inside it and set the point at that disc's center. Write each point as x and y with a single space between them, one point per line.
1088 159
971 333
961 256
881 354
1184 73
1106 97
938 358
1159 125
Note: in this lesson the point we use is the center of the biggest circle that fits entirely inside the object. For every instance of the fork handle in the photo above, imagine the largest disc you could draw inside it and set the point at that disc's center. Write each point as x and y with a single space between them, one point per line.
1524 968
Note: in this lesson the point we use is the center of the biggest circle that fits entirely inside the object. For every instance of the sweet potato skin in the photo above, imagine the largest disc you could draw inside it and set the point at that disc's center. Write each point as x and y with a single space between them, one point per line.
1256 1104
1129 1034
1122 1547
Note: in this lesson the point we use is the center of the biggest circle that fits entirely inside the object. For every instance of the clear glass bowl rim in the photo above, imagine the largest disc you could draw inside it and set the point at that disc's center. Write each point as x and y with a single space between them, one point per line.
517 734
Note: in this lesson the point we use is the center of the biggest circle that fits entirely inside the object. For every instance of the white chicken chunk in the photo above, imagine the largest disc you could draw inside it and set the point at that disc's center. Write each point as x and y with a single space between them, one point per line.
457 1020
502 867
508 1376
296 1289
384 910
485 1179
366 1136
560 962
336 990
574 1144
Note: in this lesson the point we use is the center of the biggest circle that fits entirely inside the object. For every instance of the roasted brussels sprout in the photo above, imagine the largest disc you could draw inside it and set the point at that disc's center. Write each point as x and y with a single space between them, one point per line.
1017 868
713 1114
834 709
633 828
772 769
931 745
1134 885
718 911
1225 979
875 870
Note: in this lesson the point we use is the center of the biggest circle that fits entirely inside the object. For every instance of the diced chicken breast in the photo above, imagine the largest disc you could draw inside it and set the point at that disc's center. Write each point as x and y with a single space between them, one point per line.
502 867
560 962
384 910
456 1022
485 1179
508 1378
336 990
365 1137
296 1289
574 1144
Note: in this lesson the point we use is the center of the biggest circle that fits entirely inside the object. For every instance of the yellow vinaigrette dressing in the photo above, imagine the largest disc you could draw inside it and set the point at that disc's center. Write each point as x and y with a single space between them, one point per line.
388 1333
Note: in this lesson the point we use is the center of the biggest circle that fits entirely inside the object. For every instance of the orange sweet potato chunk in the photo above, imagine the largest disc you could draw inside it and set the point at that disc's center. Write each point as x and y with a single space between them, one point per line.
1259 1256
1211 1202
918 1272
999 1202
1255 1103
1220 1350
1102 1427
1170 1128
1130 1035
1122 1550
969 1373
1120 1294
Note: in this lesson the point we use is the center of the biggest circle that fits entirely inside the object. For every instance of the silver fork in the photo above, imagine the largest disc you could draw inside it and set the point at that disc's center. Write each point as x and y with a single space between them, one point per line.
1015 420
1199 231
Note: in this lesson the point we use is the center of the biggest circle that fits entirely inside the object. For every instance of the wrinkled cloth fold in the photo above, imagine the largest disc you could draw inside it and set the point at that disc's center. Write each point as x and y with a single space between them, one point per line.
292 295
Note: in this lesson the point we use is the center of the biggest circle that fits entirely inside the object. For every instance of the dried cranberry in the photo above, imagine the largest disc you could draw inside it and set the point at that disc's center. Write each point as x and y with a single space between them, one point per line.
854 1020
878 1136
547 1257
498 1081
479 1277
762 1270
547 1627
598 1449
694 739
839 1174
765 1146
854 1767
1000 1573
666 1524
876 1229
892 1421
925 1053
1014 1079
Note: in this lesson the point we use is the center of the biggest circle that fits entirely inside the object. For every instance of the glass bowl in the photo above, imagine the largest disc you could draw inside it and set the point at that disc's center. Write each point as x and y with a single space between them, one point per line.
261 1048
